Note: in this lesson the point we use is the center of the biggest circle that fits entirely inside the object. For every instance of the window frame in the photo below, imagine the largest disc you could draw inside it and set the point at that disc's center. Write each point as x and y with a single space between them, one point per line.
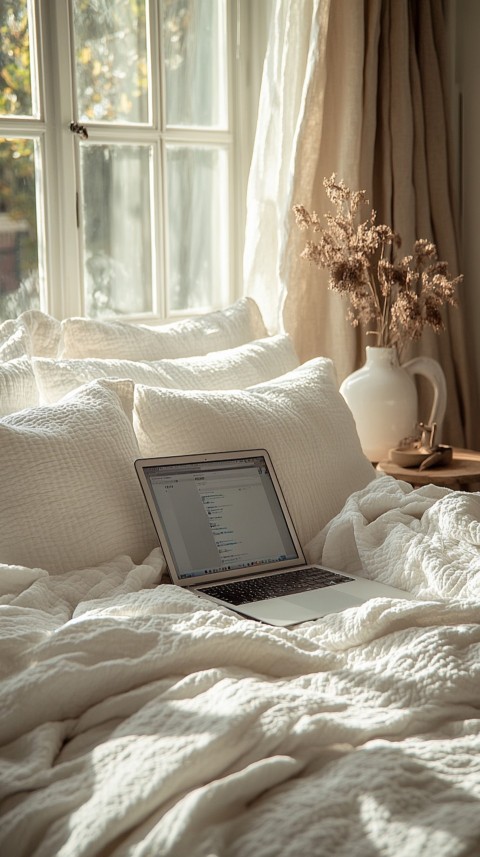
59 182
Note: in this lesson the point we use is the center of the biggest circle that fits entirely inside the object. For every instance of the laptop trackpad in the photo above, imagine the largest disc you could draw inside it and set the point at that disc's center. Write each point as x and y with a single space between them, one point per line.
301 607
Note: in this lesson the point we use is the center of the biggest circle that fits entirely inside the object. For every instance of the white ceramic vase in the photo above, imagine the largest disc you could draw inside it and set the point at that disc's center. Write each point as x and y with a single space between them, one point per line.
383 399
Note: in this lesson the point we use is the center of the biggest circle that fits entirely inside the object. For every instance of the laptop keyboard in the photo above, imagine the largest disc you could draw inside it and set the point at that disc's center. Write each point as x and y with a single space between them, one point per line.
275 585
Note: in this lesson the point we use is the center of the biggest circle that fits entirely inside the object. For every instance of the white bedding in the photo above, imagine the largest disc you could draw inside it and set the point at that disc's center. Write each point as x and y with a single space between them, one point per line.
137 720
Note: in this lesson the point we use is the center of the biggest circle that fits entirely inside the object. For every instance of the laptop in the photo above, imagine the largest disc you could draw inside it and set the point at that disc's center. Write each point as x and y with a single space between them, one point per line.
228 536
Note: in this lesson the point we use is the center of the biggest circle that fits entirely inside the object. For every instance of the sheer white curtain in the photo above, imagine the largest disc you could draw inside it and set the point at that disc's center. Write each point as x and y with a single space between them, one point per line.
361 89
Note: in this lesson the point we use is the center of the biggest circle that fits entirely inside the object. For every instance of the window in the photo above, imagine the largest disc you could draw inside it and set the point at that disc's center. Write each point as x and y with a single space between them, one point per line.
122 179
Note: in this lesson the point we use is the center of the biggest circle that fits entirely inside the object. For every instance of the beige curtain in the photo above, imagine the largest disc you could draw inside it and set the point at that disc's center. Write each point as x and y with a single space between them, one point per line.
359 88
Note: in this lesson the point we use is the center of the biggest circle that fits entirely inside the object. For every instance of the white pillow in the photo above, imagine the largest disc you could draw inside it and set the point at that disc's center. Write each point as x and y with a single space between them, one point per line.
14 340
213 331
234 368
45 332
300 418
32 332
18 387
69 496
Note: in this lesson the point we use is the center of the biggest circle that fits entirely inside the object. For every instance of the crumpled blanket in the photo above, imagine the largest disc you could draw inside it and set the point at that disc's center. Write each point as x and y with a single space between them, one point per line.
139 720
425 540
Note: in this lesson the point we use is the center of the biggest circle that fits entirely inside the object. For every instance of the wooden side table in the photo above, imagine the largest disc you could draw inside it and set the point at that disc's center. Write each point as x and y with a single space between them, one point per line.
462 474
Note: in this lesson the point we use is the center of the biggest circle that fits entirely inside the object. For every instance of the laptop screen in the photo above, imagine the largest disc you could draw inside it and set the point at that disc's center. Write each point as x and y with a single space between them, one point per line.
219 516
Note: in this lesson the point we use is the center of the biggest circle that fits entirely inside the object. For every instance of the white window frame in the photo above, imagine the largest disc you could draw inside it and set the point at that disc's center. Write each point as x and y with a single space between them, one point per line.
61 264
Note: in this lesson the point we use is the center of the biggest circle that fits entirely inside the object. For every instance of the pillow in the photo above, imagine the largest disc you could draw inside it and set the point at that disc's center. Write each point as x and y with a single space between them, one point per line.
234 368
69 496
33 332
226 328
44 331
300 418
14 340
18 387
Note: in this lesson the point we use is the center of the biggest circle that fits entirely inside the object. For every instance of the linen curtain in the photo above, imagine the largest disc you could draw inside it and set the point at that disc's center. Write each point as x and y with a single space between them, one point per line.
360 89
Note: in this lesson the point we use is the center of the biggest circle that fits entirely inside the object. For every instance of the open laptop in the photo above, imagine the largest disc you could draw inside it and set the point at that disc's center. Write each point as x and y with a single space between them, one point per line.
227 535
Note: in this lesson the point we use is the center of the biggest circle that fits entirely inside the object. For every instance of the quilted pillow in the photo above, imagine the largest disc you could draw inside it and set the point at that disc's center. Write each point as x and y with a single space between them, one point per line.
69 497
234 368
33 332
44 331
14 340
213 331
300 418
18 387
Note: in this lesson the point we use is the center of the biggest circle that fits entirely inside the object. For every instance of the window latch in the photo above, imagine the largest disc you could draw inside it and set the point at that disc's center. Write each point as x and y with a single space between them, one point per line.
81 130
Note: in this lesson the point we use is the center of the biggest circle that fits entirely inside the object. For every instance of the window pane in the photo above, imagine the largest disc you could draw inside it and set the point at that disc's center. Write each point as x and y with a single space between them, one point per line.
111 60
15 67
195 56
117 221
19 277
197 179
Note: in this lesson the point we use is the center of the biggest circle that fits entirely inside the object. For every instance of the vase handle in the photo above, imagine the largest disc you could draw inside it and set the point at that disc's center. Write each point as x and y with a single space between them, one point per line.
432 370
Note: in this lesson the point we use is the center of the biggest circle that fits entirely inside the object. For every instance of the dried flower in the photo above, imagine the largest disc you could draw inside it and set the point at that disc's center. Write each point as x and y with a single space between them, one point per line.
395 299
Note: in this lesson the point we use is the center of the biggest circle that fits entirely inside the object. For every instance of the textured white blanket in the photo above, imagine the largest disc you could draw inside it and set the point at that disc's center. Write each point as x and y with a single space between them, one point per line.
136 720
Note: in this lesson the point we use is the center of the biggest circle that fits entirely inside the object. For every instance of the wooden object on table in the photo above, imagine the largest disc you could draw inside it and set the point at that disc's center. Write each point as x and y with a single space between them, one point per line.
463 474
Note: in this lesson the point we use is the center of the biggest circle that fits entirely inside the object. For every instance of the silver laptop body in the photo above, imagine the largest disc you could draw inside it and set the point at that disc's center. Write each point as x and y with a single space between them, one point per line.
227 535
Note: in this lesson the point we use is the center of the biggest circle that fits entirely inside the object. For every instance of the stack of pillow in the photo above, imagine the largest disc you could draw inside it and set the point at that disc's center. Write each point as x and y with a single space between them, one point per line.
81 399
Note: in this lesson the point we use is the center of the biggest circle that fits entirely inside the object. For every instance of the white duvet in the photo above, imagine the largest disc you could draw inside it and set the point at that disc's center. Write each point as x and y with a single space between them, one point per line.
137 720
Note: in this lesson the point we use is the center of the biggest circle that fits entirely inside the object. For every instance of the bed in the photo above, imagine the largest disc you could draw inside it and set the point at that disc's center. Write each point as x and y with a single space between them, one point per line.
139 720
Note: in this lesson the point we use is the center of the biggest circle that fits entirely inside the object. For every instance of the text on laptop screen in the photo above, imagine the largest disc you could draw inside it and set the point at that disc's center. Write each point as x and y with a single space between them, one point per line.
220 516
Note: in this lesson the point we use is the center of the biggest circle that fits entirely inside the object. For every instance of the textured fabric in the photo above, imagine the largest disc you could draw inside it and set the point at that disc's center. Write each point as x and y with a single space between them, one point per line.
32 332
14 340
44 331
300 418
138 720
213 331
238 367
427 539
69 496
359 89
18 387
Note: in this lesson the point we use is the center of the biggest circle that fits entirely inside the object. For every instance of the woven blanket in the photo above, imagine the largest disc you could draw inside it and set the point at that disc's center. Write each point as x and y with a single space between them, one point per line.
139 720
